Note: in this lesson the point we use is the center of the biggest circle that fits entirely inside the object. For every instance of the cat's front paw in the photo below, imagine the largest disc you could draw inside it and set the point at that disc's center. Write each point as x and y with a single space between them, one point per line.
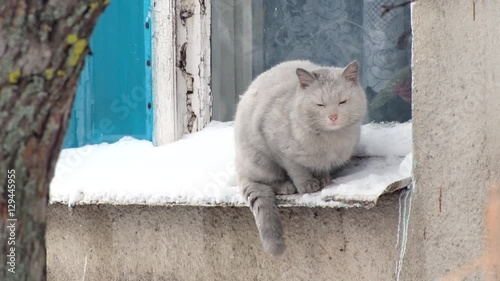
286 188
325 181
309 186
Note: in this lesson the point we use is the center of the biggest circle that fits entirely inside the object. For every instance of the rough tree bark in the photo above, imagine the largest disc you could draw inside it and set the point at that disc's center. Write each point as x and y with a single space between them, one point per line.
43 44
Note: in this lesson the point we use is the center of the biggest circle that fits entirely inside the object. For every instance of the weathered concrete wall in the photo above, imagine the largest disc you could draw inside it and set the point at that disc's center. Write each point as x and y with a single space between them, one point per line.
219 243
456 126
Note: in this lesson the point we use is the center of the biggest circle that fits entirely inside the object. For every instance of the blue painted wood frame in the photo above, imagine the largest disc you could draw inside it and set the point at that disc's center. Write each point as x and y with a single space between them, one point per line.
114 95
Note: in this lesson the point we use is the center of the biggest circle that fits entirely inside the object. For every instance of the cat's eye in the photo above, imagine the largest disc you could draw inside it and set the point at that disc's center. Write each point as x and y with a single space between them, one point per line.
318 104
342 102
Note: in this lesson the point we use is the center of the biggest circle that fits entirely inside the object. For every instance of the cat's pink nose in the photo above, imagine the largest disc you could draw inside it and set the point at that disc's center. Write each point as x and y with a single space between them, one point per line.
333 117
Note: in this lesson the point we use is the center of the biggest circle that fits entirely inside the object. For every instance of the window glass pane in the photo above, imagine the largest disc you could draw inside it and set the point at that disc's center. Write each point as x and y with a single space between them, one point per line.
249 37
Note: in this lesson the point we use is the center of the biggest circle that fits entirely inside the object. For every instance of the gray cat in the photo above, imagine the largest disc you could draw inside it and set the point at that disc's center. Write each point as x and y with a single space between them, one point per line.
294 125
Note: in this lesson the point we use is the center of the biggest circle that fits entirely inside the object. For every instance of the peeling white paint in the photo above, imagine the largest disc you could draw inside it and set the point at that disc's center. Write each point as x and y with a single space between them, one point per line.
193 32
167 126
181 68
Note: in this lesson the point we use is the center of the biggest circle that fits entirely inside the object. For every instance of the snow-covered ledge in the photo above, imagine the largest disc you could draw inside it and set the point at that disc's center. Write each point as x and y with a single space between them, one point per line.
199 170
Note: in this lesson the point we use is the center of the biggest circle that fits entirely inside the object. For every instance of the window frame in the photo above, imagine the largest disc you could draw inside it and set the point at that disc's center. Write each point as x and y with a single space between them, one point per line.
181 68
181 65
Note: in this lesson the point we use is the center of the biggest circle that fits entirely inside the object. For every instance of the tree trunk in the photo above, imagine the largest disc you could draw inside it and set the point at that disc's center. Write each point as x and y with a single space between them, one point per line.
43 45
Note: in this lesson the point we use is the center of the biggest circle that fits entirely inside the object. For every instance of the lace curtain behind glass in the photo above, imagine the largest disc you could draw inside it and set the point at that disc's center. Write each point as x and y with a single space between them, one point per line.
249 37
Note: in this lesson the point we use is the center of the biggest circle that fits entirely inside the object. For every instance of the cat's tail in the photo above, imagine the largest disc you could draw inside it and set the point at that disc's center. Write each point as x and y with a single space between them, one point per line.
262 201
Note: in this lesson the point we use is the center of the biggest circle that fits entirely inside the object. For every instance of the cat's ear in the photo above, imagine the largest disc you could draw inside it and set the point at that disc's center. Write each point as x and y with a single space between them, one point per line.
351 72
305 78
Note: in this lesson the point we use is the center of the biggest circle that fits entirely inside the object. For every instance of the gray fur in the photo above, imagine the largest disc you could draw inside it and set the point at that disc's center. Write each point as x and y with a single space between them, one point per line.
285 142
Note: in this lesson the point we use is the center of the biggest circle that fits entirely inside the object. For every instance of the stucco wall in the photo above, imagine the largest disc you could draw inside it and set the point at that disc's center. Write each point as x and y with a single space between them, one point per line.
456 126
219 243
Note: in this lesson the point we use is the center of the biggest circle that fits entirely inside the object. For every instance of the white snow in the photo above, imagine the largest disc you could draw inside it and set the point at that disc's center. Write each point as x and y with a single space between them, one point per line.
385 139
199 170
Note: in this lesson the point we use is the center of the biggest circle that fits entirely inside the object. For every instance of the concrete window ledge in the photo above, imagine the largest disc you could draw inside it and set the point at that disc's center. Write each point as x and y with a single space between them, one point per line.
333 197
144 242
133 211
199 170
